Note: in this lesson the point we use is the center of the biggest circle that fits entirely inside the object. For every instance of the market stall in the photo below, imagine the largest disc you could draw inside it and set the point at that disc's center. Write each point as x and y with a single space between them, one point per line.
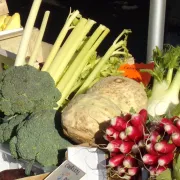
69 112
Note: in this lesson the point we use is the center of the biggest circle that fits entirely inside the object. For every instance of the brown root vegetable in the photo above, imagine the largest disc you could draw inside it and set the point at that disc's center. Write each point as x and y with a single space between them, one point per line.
124 92
86 115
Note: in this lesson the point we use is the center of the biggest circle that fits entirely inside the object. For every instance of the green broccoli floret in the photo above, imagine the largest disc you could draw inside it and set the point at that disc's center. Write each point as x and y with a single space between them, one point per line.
38 139
8 128
24 89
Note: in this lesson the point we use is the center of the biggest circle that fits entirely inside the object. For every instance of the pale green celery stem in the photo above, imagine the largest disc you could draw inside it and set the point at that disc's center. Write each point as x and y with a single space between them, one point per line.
70 52
79 59
98 67
174 88
59 40
169 76
70 42
68 88
39 39
21 55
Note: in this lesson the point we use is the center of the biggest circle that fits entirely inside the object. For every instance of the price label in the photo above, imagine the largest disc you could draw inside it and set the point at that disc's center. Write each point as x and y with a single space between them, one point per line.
66 171
3 7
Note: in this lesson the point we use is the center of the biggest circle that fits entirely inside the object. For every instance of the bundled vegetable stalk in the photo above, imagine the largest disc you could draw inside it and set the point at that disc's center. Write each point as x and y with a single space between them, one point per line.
165 92
134 141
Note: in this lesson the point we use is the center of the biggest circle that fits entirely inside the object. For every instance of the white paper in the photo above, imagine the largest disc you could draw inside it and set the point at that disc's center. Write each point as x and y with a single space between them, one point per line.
90 160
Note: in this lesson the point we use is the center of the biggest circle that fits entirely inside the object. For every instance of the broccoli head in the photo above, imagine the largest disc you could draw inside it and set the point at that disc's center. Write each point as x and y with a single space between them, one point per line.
24 89
8 127
38 139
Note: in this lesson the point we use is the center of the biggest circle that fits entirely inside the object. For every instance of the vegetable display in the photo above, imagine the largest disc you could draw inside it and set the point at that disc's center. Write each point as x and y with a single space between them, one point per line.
129 110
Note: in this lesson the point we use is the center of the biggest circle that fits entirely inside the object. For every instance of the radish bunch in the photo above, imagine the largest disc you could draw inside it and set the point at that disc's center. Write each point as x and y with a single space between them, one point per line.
132 140
126 135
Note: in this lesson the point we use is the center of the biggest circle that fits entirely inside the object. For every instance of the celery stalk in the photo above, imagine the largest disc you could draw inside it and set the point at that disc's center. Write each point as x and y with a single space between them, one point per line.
60 39
71 50
70 82
67 46
39 39
80 58
20 58
114 48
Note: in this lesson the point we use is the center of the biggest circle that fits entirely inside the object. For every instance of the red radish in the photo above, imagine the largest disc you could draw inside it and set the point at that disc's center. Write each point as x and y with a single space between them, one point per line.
116 160
116 135
152 170
166 159
154 137
132 171
164 147
144 114
135 149
133 133
129 161
150 149
119 123
170 129
112 154
160 169
121 170
137 120
126 147
176 139
108 138
141 143
127 117
123 136
110 131
150 159
165 121
114 145
177 123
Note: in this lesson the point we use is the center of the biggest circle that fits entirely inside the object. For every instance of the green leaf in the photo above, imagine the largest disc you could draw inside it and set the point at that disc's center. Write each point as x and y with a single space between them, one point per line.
176 167
165 175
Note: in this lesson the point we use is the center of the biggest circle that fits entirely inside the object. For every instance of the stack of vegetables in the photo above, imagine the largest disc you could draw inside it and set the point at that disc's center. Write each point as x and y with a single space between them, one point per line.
135 107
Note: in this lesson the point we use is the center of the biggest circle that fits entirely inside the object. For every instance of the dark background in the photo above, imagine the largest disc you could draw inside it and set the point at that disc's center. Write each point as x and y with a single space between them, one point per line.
109 13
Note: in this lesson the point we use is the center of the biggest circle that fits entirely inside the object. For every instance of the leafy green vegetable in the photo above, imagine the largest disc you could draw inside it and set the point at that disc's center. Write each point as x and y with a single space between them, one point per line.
166 87
165 175
38 139
24 89
176 167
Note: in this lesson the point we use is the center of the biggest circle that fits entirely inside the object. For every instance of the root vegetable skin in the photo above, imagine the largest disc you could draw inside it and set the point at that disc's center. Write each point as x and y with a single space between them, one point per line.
150 149
144 114
154 137
119 123
129 162
133 171
108 138
166 159
176 139
170 129
134 134
117 160
114 145
164 147
110 131
150 159
124 137
126 147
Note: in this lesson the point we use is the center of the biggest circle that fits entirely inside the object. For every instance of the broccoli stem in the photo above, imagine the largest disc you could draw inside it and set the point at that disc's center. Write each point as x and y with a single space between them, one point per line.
60 39
69 79
115 46
67 51
39 39
20 58
29 166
